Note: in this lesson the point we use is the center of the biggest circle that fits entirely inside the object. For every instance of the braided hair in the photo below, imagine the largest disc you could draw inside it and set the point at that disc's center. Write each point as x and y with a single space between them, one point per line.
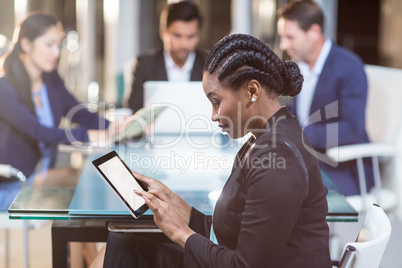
239 58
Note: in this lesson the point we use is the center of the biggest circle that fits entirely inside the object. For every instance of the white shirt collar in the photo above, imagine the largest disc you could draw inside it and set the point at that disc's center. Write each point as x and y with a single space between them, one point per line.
170 64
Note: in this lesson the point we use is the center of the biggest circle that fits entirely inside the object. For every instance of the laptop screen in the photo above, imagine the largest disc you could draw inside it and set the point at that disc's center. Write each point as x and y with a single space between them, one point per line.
188 109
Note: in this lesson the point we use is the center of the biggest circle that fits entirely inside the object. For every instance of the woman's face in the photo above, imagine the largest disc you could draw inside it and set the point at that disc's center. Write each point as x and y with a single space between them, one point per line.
229 107
44 51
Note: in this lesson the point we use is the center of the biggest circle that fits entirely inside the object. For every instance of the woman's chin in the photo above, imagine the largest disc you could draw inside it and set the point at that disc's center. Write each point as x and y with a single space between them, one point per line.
48 69
231 134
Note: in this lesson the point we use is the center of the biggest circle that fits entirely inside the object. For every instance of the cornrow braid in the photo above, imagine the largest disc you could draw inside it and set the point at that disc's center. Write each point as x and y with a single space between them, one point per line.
257 62
238 58
212 55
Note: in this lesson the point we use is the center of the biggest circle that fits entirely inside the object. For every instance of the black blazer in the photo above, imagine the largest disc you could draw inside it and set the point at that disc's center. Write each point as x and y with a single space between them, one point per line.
151 67
272 209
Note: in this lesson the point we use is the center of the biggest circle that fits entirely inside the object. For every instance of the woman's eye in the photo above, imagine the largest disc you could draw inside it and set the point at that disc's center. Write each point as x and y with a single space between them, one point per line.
215 102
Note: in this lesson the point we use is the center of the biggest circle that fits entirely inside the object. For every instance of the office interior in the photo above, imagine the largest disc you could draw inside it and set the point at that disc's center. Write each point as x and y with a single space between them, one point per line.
102 37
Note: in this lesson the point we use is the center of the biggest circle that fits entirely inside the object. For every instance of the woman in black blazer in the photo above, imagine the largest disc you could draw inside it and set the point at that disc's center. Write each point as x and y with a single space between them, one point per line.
272 209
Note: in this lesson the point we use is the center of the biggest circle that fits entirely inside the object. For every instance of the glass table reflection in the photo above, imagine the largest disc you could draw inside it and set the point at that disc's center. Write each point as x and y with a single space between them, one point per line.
86 209
194 166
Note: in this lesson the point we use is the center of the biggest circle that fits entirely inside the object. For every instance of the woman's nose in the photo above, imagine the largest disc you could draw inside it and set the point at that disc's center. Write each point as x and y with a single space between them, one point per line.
215 117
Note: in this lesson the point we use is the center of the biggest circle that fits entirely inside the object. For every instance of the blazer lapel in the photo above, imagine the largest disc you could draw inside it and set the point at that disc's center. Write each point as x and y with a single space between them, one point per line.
196 72
160 68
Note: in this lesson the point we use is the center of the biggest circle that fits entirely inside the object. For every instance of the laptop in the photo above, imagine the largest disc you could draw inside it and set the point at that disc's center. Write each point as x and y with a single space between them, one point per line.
187 109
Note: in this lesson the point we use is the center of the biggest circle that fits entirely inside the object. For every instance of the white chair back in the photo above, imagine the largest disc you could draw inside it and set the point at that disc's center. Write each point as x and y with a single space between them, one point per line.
384 109
384 122
371 242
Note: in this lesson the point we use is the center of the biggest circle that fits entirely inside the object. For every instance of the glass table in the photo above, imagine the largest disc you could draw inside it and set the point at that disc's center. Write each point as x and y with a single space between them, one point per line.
194 166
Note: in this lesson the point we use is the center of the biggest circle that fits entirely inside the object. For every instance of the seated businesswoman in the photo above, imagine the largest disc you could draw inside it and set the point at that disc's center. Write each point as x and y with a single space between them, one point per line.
33 100
266 216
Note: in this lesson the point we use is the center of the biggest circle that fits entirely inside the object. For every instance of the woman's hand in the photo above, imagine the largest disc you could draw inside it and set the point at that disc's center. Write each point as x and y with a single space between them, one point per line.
183 209
166 216
118 126
151 183
105 137
100 137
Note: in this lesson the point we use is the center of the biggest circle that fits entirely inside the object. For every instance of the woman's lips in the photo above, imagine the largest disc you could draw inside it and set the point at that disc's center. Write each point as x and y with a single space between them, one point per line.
223 126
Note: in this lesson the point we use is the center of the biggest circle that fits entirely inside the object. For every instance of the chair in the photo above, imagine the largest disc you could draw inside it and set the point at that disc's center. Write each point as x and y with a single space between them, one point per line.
8 171
384 127
371 242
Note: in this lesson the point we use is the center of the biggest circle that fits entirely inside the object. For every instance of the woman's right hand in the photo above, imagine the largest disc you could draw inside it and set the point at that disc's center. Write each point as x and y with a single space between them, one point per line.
151 183
182 207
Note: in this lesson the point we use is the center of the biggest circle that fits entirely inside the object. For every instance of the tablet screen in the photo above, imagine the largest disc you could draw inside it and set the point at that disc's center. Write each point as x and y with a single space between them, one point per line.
122 181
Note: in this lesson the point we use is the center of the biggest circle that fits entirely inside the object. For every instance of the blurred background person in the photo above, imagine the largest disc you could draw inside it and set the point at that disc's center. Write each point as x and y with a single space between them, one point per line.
334 90
33 101
178 60
32 104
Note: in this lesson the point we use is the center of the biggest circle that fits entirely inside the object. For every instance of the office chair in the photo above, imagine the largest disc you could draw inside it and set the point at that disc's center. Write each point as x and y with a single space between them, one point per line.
8 171
384 127
369 247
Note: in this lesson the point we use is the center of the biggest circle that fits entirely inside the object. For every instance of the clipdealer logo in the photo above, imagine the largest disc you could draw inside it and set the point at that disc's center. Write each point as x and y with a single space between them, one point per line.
324 121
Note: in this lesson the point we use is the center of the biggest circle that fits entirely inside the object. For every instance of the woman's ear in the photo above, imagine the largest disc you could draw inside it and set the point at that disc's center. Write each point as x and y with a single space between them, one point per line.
26 45
254 89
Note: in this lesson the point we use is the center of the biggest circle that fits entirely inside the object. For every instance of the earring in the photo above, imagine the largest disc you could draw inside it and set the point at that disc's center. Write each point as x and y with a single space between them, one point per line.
253 99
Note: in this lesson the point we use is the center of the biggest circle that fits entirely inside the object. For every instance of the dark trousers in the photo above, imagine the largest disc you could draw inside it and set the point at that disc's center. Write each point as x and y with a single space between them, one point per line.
132 250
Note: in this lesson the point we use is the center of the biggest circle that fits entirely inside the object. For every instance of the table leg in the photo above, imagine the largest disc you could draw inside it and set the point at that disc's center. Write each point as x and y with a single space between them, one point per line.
65 231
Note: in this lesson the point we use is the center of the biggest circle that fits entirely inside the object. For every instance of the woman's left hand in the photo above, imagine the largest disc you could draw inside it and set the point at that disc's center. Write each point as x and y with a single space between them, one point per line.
166 216
106 137
118 126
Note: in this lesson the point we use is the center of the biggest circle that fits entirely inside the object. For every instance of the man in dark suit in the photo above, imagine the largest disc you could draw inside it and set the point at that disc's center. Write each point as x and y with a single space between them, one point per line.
178 60
331 106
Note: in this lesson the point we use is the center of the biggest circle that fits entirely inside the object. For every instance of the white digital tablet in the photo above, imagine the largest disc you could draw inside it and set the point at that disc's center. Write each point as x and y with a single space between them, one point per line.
120 178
